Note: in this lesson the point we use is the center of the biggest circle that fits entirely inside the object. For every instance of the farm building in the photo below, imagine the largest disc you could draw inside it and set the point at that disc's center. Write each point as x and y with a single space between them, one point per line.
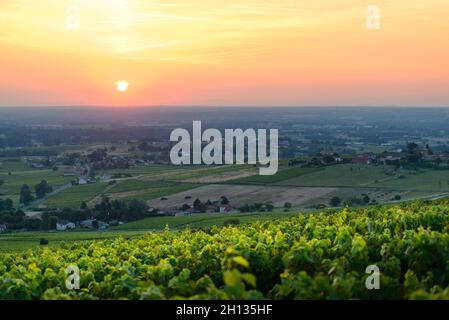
87 223
63 225
227 209
363 159
33 215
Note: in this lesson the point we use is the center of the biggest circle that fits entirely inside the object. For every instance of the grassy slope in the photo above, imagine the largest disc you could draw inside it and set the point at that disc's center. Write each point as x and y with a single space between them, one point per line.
72 198
278 177
155 192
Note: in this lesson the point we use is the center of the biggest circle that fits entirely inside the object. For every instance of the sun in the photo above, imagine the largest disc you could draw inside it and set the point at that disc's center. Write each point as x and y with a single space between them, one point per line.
122 86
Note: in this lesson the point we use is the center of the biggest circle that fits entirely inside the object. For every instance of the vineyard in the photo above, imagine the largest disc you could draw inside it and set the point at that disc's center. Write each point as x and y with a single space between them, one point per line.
309 256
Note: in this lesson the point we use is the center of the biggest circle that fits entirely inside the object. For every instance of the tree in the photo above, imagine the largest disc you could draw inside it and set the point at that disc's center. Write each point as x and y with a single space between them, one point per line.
197 203
6 205
335 201
143 146
48 221
136 210
366 199
287 205
25 195
83 206
185 206
413 154
2 182
224 200
43 188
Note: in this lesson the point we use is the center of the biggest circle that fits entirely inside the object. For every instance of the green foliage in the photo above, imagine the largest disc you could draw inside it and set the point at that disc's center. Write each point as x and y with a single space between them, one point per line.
335 201
43 188
230 222
314 256
25 195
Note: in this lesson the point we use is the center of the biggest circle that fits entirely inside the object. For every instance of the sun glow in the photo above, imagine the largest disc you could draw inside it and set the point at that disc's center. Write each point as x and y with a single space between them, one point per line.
122 86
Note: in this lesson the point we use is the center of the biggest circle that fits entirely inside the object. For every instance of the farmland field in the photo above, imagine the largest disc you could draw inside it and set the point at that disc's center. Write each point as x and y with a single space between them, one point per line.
154 170
15 173
151 193
281 175
134 184
72 197
341 176
424 180
243 194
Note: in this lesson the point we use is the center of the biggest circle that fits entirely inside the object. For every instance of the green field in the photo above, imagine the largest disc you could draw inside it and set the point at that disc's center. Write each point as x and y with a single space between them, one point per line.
134 184
204 171
153 170
151 193
72 197
16 173
346 175
424 180
280 176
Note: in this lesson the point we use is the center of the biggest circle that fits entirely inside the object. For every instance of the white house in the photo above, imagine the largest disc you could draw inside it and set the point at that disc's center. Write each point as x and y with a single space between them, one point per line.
227 209
87 223
83 180
183 214
102 225
63 225
2 228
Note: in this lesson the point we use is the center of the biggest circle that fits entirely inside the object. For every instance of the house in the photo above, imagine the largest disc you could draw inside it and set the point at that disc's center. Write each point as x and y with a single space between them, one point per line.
35 165
227 209
183 214
88 223
2 227
33 215
83 180
63 225
391 158
151 210
362 159
212 209
102 225
171 211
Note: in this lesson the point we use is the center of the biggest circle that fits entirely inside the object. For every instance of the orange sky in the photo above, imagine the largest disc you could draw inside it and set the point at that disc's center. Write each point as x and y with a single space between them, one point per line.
210 52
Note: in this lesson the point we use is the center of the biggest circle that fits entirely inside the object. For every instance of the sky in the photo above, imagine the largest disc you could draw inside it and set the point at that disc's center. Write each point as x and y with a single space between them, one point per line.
224 53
